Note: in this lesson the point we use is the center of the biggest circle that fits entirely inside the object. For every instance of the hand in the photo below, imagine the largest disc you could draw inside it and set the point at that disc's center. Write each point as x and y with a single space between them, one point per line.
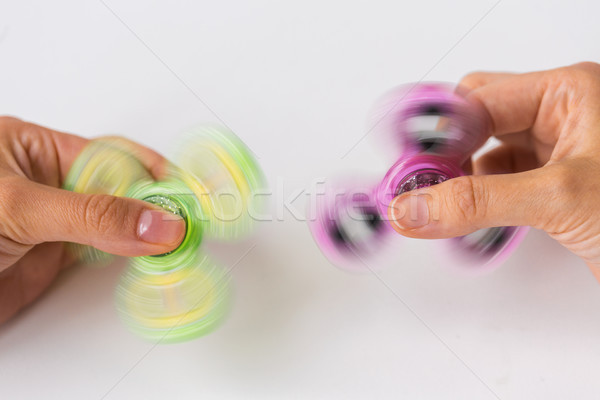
36 216
546 172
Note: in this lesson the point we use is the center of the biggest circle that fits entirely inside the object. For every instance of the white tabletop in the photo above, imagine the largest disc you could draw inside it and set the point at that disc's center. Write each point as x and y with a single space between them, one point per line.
295 81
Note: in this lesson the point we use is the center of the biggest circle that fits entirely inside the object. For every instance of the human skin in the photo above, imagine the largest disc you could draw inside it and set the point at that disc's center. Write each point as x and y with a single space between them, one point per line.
37 217
545 173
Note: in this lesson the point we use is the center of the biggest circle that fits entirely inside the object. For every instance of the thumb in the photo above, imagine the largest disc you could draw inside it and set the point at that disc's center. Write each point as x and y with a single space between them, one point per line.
465 204
31 213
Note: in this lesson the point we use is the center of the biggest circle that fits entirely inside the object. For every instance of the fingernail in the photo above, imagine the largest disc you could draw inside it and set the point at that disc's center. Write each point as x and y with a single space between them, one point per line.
409 211
160 227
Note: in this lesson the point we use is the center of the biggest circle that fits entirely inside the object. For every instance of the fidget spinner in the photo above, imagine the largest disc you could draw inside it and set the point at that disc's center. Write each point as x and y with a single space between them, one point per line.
182 294
432 131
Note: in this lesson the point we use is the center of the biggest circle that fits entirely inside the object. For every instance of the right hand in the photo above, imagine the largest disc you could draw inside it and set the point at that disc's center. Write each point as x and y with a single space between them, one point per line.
546 173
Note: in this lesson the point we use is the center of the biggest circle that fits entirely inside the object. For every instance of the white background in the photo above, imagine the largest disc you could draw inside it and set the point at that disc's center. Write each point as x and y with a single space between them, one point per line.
295 80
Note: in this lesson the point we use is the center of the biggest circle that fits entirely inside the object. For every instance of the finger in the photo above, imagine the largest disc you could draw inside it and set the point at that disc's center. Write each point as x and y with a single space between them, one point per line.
66 148
524 142
480 78
152 161
42 154
31 213
511 103
69 146
45 150
465 204
518 103
505 159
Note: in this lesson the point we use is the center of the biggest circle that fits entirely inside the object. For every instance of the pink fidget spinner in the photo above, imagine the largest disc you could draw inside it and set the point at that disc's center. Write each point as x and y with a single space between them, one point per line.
433 130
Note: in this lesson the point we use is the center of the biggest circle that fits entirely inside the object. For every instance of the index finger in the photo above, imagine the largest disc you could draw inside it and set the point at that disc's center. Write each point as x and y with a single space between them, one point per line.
51 150
150 159
69 147
39 153
513 102
477 79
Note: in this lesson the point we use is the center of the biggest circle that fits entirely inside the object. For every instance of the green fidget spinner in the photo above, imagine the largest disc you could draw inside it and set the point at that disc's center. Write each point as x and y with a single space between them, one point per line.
183 294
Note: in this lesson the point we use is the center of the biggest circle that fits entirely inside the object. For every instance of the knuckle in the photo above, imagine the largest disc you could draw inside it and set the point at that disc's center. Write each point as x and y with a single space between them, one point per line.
565 182
585 77
582 75
467 198
13 199
560 189
590 66
9 195
562 77
102 212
